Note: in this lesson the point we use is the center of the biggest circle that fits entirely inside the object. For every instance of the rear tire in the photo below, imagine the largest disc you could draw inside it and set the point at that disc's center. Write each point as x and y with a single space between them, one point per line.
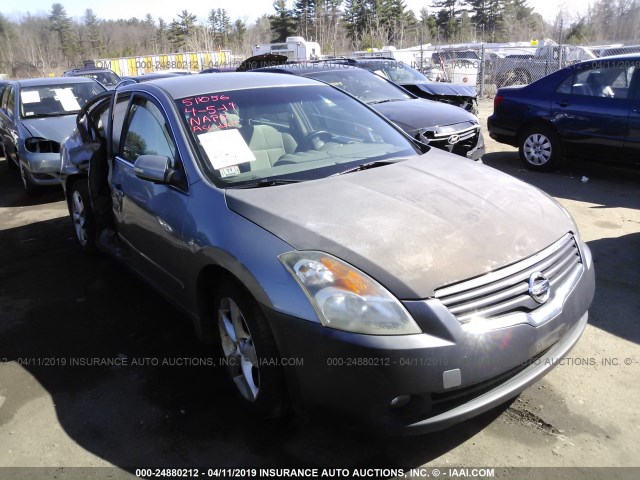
249 351
540 148
82 217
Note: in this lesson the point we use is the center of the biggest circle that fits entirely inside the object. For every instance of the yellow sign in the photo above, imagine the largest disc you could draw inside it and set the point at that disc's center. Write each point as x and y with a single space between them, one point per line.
534 43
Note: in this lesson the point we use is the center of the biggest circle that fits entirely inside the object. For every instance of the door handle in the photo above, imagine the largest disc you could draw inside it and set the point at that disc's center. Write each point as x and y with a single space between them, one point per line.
562 103
636 110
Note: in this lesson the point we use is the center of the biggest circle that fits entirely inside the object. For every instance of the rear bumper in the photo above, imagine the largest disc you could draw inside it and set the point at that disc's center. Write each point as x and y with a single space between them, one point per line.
359 375
502 133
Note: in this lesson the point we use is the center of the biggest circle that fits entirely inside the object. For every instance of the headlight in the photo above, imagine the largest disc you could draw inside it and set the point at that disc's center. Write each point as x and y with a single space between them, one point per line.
41 145
346 298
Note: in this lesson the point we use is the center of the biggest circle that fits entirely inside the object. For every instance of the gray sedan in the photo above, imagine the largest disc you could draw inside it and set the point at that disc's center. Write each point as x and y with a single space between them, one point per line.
36 116
332 260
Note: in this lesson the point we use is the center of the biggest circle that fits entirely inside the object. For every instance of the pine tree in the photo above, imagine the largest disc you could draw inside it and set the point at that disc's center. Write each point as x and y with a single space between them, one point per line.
239 31
304 13
283 24
161 36
60 23
91 22
181 29
220 25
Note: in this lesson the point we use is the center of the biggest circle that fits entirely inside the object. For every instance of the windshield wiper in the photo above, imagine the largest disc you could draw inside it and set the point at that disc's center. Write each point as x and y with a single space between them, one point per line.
268 182
366 166
386 100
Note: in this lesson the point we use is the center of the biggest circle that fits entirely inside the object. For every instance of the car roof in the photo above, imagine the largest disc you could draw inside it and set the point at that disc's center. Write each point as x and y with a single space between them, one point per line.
147 77
626 56
88 70
308 68
188 85
40 82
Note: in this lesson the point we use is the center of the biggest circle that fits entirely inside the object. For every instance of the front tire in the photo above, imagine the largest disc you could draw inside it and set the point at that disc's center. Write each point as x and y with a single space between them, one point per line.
29 187
82 217
11 165
249 352
540 148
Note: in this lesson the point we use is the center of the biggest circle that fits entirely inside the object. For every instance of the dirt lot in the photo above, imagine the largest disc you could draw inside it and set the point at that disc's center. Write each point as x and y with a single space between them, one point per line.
57 304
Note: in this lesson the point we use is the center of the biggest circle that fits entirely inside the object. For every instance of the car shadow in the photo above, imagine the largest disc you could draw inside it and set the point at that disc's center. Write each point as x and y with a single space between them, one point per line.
63 314
604 184
15 196
617 262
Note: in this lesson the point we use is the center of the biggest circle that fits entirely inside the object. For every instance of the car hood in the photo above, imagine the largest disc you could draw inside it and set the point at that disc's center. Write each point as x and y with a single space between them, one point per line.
442 88
51 128
421 113
414 226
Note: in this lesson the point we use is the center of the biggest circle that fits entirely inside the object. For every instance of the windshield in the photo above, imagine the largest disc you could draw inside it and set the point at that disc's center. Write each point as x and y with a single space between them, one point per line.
292 133
106 78
56 100
397 72
362 85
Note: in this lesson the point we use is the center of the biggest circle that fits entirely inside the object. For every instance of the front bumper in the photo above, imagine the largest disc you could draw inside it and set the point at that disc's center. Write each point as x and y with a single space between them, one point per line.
41 168
478 151
448 374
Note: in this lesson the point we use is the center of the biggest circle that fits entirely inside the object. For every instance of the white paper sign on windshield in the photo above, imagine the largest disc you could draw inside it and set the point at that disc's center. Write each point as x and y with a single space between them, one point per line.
225 148
67 99
30 96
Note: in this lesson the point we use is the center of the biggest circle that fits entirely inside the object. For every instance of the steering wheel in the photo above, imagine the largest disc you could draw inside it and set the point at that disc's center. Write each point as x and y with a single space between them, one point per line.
315 140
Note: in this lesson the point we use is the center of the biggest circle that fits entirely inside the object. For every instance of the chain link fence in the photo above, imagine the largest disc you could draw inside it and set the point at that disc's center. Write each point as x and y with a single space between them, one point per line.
490 66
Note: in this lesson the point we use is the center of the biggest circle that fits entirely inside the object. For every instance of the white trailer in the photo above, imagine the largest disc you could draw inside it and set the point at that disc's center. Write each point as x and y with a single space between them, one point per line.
294 48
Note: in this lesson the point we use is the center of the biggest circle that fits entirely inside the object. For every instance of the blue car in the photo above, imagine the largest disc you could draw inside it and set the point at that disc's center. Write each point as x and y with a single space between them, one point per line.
591 109
36 116
332 261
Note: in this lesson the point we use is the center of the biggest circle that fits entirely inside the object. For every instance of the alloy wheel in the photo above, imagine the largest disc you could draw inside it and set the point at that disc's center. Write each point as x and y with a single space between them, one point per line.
79 215
537 149
238 349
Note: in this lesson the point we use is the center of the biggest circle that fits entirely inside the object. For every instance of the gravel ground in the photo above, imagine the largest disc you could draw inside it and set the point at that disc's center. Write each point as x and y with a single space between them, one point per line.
57 304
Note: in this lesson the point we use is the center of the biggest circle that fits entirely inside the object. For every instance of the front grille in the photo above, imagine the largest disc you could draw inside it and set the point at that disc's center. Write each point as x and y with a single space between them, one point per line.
507 290
467 140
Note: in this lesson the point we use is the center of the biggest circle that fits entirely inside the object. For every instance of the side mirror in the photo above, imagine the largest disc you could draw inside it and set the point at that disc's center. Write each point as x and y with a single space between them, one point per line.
157 169
154 168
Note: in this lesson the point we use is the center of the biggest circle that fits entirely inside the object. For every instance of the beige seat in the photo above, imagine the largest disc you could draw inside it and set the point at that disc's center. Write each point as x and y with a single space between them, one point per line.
267 144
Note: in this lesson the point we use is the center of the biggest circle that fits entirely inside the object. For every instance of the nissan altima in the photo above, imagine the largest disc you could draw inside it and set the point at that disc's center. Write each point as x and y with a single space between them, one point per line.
333 260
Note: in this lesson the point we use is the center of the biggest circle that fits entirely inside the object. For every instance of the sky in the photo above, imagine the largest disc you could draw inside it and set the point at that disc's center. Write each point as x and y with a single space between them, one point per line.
247 10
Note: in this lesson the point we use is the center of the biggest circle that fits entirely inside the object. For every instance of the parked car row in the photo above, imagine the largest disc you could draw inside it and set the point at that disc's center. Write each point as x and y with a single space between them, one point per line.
33 131
438 124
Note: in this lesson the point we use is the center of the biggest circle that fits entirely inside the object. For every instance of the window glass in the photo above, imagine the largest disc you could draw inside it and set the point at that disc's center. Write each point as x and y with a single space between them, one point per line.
56 100
119 113
5 95
607 81
565 87
362 85
147 133
11 102
98 115
297 132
